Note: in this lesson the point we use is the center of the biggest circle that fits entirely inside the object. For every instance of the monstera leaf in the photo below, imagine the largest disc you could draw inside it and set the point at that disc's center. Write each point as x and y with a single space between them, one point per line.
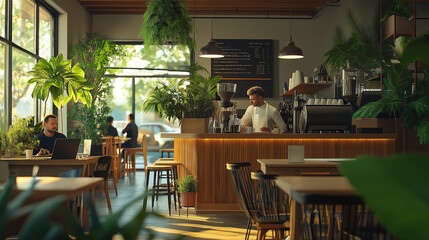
395 188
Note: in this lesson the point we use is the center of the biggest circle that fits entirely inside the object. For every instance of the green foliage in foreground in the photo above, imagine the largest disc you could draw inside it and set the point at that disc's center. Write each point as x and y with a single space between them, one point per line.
395 188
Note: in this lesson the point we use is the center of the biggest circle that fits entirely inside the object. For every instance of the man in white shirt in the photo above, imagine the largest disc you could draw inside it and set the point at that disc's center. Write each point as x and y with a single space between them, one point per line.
260 114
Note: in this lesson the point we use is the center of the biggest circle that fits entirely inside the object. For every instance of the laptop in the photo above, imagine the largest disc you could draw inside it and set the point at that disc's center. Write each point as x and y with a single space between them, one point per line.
86 148
65 148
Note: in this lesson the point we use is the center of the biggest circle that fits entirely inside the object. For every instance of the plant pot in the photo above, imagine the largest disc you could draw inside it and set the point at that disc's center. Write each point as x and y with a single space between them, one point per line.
398 26
9 153
194 125
188 199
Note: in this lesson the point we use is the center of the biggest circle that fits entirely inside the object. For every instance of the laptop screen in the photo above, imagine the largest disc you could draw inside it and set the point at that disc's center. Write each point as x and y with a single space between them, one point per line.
65 148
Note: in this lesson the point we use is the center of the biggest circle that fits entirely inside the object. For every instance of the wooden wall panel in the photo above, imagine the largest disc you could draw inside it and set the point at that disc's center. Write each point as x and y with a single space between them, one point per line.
207 158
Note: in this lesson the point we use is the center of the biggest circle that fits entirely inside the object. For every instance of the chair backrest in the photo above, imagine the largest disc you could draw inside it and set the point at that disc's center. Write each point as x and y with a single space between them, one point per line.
243 186
104 167
109 149
269 204
144 148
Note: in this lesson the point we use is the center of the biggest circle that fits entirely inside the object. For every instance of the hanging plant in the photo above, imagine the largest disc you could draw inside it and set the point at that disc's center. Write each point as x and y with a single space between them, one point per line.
167 21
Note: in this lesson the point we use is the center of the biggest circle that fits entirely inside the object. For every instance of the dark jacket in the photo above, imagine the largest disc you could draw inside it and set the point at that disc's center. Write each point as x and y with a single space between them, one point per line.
112 131
132 132
47 142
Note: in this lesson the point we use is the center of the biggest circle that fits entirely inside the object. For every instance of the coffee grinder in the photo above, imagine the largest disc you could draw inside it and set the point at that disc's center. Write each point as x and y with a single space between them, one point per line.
226 108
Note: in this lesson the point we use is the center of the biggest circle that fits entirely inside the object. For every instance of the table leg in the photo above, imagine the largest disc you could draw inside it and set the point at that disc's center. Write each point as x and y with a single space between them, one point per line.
295 220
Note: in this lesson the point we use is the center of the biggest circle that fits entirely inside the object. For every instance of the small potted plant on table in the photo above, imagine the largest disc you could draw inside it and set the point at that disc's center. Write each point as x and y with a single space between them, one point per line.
188 190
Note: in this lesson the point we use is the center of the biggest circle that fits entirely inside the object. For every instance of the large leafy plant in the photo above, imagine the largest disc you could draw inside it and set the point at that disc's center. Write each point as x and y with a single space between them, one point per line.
167 21
398 98
360 50
95 55
56 76
185 98
395 188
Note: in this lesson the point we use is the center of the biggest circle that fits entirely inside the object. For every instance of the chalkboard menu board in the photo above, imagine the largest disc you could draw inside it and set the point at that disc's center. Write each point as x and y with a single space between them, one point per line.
247 62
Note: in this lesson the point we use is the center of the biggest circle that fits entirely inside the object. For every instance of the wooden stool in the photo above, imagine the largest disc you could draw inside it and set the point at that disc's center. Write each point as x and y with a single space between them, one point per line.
157 169
174 164
167 150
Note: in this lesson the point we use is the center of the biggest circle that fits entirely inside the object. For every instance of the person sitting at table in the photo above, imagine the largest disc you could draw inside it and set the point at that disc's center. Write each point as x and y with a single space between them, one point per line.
111 130
132 132
260 114
48 136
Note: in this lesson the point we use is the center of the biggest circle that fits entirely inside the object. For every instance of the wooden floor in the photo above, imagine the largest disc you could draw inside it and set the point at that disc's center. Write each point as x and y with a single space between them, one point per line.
201 226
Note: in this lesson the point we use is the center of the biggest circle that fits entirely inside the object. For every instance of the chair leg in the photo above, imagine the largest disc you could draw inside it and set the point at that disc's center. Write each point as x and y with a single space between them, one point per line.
106 192
249 228
168 193
155 187
115 179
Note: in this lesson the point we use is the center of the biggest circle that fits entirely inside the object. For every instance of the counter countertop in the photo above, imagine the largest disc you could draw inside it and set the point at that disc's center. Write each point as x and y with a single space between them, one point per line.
278 135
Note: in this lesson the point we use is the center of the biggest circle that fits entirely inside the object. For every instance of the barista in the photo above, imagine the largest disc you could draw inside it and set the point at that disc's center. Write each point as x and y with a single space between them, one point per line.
260 114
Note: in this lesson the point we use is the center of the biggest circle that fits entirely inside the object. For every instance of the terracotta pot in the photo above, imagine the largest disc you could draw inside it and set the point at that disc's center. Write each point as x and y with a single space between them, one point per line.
188 199
194 125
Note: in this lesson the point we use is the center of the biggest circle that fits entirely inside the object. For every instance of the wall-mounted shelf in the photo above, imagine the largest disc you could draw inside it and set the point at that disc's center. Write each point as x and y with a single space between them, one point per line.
306 88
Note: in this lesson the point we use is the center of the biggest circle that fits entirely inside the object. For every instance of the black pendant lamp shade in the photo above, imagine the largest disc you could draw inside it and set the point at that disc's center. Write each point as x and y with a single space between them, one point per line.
291 51
211 50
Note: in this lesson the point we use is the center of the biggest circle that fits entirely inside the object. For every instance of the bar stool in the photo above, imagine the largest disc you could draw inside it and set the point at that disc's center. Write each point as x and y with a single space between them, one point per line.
174 164
167 150
130 154
157 169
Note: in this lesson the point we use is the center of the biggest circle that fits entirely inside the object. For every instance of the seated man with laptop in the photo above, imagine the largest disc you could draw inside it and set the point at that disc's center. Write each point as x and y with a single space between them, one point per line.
48 136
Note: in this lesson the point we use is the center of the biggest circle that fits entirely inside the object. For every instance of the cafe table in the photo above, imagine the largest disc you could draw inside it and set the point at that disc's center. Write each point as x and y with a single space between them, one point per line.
48 187
21 166
310 167
335 195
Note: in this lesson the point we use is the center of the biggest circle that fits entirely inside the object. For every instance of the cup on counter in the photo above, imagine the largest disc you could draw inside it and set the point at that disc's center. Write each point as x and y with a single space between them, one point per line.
249 129
310 101
334 102
276 130
317 101
328 101
323 102
340 102
306 80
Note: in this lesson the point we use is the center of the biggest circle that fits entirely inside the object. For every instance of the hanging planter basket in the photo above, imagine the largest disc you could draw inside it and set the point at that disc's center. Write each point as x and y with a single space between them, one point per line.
167 21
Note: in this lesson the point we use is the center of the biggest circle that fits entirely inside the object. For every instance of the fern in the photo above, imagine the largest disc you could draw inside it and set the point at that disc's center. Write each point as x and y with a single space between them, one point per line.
167 21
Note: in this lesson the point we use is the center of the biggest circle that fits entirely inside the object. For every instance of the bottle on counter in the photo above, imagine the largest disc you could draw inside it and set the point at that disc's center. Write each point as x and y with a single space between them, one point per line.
210 128
235 125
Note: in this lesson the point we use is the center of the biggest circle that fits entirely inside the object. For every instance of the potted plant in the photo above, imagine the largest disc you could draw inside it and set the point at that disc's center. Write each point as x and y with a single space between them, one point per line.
167 21
188 189
188 99
399 98
20 136
397 17
61 80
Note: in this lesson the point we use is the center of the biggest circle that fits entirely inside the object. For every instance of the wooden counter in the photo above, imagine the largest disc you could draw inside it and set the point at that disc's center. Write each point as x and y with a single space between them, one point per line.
205 155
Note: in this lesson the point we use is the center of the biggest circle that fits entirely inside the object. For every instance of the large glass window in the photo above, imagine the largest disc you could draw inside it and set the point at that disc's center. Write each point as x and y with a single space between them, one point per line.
2 17
22 102
23 29
2 86
46 34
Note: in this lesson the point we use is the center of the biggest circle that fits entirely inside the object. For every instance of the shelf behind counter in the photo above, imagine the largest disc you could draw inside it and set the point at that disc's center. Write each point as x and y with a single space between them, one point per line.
205 155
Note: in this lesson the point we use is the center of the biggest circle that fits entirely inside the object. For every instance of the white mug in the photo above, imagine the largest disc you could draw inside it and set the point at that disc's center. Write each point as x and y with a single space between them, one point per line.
310 101
328 101
323 102
340 102
276 130
317 101
334 102
306 80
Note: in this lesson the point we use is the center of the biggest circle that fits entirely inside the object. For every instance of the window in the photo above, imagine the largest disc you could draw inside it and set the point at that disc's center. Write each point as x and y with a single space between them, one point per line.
19 52
23 29
22 102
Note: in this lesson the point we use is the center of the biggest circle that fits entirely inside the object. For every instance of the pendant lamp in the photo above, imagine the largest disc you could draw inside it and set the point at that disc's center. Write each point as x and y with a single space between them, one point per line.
211 50
291 51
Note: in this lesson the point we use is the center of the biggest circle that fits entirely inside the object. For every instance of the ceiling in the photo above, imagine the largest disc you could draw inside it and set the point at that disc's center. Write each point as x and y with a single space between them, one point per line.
220 7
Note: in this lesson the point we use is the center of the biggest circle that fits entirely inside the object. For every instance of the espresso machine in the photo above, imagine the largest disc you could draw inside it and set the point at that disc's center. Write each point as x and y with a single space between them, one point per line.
226 108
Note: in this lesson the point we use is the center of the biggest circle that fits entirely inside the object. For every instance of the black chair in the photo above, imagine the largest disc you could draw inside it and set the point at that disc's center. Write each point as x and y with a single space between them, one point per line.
244 189
271 210
103 170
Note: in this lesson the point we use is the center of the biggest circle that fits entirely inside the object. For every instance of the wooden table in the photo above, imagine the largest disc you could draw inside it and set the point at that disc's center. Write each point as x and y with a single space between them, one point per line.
305 190
20 166
48 187
310 167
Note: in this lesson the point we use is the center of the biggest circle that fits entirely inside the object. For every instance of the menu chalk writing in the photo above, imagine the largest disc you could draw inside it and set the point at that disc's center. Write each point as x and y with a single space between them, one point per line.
247 62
